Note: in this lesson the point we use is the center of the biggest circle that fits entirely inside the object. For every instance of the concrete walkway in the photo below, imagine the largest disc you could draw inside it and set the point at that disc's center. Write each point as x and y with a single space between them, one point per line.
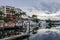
15 36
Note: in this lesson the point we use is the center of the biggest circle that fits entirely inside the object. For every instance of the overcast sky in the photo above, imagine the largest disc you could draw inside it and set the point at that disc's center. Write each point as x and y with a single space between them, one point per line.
23 4
26 3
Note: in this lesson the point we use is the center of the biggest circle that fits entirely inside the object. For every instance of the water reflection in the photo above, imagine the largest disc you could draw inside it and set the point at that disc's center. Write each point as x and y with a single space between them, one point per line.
46 34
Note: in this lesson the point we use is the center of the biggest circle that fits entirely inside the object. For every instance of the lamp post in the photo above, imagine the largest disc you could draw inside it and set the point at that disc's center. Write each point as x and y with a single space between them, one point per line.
28 28
23 25
28 25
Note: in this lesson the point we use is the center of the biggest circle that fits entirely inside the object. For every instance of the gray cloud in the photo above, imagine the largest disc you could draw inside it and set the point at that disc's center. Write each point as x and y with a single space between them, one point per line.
47 5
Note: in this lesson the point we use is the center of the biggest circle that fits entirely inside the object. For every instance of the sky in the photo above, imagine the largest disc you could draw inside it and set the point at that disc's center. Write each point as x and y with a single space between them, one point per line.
25 3
17 3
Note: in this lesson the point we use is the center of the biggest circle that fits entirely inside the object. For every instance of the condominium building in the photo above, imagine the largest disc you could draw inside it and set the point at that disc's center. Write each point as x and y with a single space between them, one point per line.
6 9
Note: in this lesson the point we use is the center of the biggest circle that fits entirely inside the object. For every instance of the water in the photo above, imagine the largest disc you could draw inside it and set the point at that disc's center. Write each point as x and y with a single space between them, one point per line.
46 34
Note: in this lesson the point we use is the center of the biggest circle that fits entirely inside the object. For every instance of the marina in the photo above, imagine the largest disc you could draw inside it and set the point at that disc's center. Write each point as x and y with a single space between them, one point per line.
29 20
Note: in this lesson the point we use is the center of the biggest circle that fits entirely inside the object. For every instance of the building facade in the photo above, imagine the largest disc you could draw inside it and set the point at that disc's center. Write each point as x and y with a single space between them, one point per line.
6 9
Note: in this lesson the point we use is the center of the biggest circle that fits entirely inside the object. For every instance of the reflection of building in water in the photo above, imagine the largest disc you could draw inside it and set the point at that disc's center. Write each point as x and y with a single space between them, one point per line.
9 24
1 23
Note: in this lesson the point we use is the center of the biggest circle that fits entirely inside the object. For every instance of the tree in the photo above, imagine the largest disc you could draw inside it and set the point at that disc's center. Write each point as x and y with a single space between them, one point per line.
22 13
17 14
7 19
34 16
12 11
1 13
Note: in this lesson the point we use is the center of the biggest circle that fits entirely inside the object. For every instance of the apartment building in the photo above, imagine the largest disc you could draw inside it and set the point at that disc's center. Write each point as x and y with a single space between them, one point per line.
6 9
